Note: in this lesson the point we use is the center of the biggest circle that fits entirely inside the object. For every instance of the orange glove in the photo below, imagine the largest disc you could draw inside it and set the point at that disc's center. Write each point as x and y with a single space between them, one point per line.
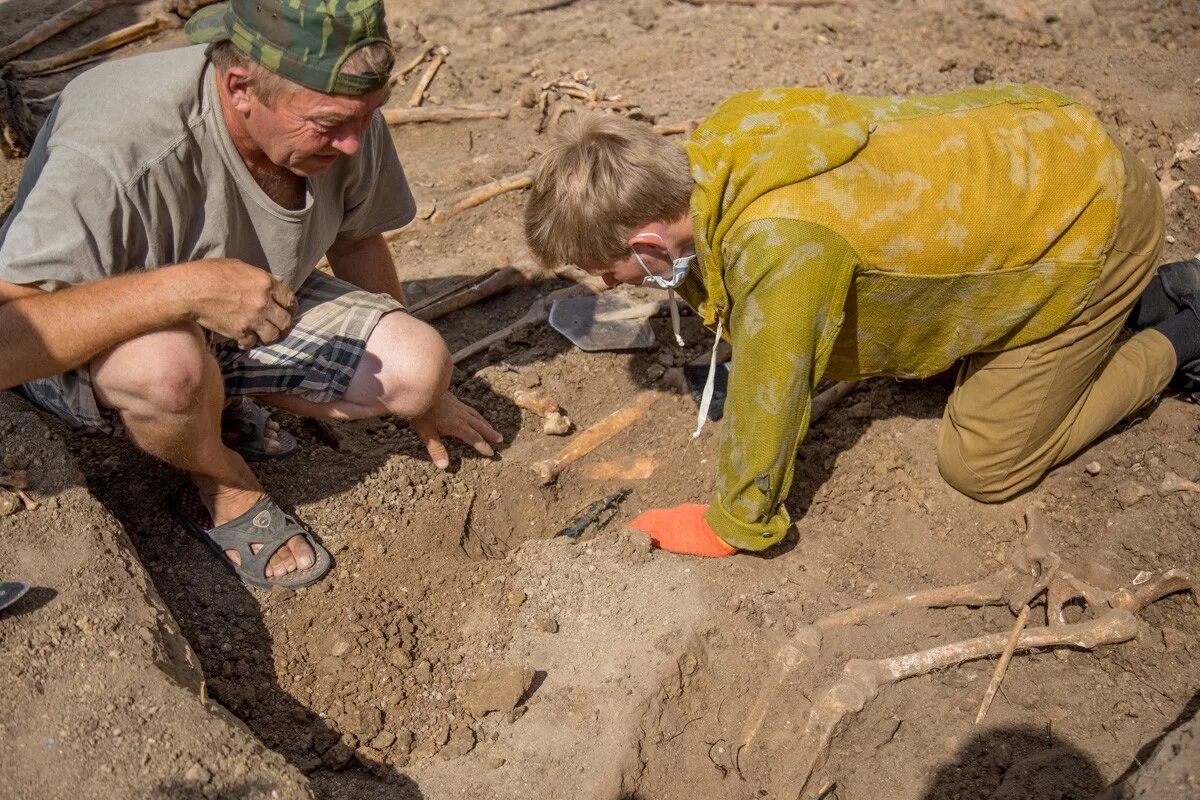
682 530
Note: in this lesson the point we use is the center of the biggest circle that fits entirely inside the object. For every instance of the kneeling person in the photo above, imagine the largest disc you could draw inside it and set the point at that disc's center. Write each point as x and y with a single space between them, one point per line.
187 196
827 235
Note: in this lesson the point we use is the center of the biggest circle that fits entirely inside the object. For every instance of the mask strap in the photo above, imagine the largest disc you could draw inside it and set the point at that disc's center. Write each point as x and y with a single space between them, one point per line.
673 303
709 384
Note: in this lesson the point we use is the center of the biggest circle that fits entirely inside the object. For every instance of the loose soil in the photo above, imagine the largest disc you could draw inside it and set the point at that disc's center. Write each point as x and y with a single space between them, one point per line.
637 670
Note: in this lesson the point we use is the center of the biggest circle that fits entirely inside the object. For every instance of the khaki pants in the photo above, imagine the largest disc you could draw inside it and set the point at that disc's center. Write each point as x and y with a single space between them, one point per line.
1014 415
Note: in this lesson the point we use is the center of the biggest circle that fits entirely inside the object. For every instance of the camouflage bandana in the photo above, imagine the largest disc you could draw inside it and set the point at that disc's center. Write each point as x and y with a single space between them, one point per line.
305 41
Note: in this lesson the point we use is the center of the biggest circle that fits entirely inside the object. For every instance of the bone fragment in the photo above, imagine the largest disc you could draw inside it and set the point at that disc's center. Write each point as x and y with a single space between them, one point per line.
416 62
625 469
990 591
536 402
671 129
549 469
67 18
96 47
556 424
480 195
439 55
489 286
1134 599
799 653
1173 483
862 680
418 114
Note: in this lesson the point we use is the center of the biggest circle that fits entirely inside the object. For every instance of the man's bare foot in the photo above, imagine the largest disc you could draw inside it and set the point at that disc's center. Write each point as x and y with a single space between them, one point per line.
227 504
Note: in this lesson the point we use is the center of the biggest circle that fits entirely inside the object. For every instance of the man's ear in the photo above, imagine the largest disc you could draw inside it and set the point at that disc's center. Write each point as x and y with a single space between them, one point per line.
238 82
649 236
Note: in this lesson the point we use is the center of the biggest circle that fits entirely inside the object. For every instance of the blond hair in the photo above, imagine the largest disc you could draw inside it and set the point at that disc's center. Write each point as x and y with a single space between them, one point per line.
602 177
371 59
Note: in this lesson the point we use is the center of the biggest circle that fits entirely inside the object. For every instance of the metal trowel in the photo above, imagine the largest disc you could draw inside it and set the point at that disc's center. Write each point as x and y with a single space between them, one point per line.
606 322
11 592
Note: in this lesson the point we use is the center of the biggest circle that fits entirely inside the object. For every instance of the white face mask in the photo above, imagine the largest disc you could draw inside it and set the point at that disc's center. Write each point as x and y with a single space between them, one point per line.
679 269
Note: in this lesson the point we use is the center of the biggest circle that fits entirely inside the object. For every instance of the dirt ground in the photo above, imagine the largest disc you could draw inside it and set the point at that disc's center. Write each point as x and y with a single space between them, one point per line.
459 649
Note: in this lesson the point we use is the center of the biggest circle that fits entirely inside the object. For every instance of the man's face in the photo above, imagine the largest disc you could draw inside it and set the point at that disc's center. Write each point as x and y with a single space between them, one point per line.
305 131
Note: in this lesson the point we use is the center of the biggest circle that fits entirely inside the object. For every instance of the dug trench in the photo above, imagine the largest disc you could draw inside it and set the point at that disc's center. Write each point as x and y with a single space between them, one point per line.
459 648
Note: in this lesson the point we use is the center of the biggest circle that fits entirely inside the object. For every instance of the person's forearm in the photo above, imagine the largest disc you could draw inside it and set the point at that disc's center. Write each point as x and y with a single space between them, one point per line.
47 333
368 264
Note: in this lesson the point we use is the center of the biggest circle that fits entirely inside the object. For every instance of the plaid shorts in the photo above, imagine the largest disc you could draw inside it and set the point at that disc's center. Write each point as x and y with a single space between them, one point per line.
315 359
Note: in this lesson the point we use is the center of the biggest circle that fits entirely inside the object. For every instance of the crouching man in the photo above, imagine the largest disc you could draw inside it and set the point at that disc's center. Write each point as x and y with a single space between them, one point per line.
181 201
827 235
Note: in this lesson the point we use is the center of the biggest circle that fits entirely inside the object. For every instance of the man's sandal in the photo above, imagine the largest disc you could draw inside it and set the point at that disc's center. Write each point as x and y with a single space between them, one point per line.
246 421
266 524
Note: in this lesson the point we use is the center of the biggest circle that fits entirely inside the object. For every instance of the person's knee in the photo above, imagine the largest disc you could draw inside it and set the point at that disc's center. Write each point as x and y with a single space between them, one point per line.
416 365
973 476
163 372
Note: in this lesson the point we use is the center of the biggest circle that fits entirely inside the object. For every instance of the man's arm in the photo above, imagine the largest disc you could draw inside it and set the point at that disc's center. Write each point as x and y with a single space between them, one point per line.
45 333
368 264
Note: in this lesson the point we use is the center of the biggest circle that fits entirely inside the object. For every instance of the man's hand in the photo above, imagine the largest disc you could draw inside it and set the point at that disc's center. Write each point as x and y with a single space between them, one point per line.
237 301
452 417
682 530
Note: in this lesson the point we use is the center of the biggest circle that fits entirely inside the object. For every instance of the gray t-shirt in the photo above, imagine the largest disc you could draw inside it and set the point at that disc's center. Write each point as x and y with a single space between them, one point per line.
135 169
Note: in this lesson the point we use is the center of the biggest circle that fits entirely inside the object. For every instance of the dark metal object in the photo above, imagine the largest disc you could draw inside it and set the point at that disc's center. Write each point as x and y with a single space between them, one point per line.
11 592
600 513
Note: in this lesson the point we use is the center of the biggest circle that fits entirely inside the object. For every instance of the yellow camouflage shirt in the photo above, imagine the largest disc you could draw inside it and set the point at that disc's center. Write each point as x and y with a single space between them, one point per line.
858 236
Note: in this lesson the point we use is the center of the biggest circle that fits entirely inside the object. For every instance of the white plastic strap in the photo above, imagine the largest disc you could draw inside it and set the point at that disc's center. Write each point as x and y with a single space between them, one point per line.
674 304
709 384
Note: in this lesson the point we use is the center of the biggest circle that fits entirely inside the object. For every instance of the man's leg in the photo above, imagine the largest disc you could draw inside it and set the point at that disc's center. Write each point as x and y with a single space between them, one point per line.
405 368
1015 415
169 393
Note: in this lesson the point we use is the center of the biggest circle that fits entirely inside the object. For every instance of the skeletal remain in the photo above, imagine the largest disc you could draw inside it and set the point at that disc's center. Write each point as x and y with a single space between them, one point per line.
79 55
419 59
418 114
439 56
670 129
990 591
555 423
801 652
862 680
1173 483
588 440
17 483
67 18
480 195
9 502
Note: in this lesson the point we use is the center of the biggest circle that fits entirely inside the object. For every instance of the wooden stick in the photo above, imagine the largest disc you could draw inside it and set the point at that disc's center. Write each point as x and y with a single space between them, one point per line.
480 195
1002 664
826 400
500 281
627 469
67 18
538 313
549 469
439 55
454 288
94 48
410 116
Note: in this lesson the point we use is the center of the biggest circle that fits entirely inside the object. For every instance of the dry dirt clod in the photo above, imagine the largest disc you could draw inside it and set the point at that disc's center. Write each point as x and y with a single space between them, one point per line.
1093 468
548 624
515 598
1131 492
9 503
496 690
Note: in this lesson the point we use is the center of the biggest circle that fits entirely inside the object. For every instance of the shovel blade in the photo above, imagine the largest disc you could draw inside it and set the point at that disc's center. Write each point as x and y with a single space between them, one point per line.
594 322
